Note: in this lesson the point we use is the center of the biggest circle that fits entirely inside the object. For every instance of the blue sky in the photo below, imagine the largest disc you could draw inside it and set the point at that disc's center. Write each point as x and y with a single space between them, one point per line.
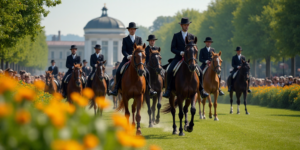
72 15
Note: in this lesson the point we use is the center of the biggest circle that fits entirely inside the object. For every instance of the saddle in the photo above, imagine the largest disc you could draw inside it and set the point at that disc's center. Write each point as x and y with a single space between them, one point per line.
234 75
204 70
69 77
178 65
57 83
124 67
92 76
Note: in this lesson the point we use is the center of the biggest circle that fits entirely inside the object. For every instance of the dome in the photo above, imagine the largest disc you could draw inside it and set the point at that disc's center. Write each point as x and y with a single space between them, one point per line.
104 22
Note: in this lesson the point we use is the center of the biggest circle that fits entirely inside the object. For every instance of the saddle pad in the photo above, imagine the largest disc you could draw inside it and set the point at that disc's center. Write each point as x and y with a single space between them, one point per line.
197 71
234 74
204 70
176 68
92 76
56 83
66 79
124 67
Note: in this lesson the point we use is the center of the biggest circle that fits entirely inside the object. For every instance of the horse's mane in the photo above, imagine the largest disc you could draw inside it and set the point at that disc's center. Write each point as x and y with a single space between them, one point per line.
139 49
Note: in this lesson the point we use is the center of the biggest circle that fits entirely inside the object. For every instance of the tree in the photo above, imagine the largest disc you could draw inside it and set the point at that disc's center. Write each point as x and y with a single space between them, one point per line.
160 21
143 32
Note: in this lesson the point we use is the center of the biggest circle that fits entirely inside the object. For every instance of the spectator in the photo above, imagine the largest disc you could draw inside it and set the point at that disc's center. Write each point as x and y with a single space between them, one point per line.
290 80
42 77
276 81
269 83
298 81
18 77
22 74
281 81
27 78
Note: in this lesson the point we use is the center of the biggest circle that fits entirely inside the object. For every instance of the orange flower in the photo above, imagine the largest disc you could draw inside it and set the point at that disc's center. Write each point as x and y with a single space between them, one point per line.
69 108
90 141
24 93
88 93
154 147
7 84
40 85
66 145
5 109
124 138
132 140
57 97
102 102
39 105
81 101
22 116
120 120
138 141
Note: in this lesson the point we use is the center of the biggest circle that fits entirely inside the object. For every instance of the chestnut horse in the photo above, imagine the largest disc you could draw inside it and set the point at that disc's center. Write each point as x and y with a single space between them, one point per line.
186 86
116 98
134 85
98 85
154 67
51 86
211 85
75 84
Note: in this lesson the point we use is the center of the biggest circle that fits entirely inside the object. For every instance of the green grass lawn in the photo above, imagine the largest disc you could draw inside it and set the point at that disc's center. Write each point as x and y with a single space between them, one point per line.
264 128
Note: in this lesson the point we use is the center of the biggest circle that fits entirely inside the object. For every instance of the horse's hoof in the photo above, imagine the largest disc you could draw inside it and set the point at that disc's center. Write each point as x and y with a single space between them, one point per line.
185 128
204 117
216 119
238 113
201 117
138 132
174 132
150 125
189 129
231 112
181 134
157 121
210 117
247 113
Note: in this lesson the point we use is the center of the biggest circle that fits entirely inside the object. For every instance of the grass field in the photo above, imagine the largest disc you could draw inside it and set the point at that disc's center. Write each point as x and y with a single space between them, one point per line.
264 128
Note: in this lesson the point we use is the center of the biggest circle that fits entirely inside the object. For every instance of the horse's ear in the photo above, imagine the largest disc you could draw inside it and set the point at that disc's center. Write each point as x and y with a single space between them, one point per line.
213 53
248 60
196 39
51 72
104 62
150 50
220 53
144 46
74 64
159 49
134 47
186 40
243 61
98 62
80 64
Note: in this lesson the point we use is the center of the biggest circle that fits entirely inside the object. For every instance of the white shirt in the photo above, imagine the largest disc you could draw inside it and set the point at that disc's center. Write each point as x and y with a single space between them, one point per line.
151 47
132 37
74 56
53 67
97 55
184 34
208 49
239 56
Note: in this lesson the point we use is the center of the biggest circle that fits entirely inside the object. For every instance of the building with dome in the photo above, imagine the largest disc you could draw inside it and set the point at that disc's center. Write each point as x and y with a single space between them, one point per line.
108 32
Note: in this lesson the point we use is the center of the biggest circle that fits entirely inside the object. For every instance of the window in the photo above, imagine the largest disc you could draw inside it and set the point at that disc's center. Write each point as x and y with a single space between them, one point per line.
60 55
93 45
60 65
115 51
52 55
105 49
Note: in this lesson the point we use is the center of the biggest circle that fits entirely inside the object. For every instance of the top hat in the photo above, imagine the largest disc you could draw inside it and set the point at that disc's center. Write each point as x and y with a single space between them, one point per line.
185 20
22 72
84 61
117 63
73 47
132 25
97 46
238 48
52 61
208 39
151 37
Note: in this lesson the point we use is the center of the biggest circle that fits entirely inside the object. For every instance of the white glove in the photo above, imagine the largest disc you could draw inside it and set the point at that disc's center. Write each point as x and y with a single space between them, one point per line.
95 65
72 67
129 57
182 53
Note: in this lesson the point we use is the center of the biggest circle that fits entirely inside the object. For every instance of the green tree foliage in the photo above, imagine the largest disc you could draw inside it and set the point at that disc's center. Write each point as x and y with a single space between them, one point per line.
160 21
143 32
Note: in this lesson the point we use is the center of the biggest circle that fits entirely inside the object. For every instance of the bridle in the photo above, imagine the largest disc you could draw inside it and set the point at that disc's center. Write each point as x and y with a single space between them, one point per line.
216 67
99 77
137 64
78 75
154 67
191 59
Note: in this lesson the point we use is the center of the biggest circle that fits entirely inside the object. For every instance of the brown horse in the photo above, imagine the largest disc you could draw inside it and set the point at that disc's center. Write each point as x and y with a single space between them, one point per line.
134 85
51 86
75 84
116 98
186 83
211 84
154 67
98 85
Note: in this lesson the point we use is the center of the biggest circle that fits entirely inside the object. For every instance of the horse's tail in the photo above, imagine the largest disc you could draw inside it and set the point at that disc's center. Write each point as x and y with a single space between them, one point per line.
92 103
121 105
168 107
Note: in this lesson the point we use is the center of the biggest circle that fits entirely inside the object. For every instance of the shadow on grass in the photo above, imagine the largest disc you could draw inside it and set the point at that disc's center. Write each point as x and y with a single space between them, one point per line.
164 136
285 115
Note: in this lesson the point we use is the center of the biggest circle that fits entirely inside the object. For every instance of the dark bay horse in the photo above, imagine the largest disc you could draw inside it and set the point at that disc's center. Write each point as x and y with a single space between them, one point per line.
75 84
134 85
51 86
186 86
154 67
98 85
241 86
211 85
117 98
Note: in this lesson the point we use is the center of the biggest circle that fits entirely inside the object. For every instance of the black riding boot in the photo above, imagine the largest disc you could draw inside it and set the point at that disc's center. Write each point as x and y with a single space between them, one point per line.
168 91
201 89
148 82
220 91
115 91
249 91
108 91
64 88
230 83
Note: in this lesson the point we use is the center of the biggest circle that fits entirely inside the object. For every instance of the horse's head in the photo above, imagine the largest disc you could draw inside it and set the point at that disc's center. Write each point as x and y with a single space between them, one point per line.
139 58
155 60
245 69
77 72
49 77
100 70
190 53
217 62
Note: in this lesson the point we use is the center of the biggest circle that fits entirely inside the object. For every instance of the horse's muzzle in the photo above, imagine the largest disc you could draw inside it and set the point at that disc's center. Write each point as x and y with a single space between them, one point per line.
78 83
192 68
158 70
101 78
141 72
218 71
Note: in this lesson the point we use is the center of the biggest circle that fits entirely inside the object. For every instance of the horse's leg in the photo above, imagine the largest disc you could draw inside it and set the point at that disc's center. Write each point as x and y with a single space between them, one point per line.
153 107
216 104
193 112
199 101
114 100
159 96
133 108
210 105
139 101
231 101
185 111
203 111
147 98
180 114
173 111
238 101
125 102
245 102
95 106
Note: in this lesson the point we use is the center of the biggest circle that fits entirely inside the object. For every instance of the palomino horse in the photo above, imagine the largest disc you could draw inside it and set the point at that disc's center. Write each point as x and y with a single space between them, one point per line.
211 85
241 86
154 67
186 83
75 84
98 85
134 85
51 86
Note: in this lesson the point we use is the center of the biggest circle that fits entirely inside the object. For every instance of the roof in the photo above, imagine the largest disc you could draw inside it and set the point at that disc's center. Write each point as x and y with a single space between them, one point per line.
65 43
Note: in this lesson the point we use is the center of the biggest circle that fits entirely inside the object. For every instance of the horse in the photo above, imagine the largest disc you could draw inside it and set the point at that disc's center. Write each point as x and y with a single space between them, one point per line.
115 98
134 85
186 86
98 86
51 86
211 85
155 68
75 84
241 86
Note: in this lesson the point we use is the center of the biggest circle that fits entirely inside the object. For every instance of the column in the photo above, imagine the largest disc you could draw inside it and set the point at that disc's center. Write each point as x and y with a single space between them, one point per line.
120 55
110 53
87 50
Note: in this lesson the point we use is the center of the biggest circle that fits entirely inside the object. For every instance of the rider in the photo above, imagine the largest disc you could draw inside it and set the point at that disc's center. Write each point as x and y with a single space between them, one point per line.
236 64
127 49
54 69
71 60
93 62
151 40
205 58
177 47
85 68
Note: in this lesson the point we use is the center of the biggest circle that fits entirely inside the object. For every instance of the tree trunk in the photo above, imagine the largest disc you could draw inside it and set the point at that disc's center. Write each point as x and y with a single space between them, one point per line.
13 66
293 66
268 67
2 64
6 65
254 68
